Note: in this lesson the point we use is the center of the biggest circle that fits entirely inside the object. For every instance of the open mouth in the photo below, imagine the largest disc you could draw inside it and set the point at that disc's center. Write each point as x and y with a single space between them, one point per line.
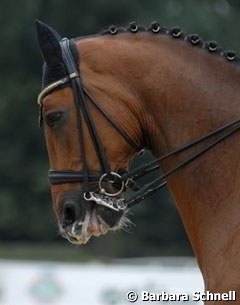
94 223
80 232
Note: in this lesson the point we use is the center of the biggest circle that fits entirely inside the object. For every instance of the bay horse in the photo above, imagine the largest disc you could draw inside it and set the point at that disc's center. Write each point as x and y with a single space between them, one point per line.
107 96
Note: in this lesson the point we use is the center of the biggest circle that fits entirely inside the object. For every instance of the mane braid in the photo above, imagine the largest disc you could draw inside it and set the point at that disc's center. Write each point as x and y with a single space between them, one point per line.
176 33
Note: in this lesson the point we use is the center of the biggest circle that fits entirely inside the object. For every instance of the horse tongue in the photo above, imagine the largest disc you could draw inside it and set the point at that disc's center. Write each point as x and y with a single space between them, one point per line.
93 225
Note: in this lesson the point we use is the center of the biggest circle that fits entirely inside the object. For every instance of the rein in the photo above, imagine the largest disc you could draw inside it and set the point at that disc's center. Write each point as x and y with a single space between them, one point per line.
121 181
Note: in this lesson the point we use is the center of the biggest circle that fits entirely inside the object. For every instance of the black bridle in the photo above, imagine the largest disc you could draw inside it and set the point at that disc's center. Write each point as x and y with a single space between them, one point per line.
120 181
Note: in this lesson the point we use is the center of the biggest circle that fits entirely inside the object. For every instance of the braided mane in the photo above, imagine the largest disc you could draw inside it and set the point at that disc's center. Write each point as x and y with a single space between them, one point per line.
175 32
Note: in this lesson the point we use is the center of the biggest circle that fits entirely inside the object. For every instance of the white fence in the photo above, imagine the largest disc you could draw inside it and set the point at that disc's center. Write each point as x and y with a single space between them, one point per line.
31 283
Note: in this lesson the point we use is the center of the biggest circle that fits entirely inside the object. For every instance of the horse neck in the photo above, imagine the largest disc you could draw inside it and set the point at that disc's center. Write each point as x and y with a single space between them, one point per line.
183 93
191 92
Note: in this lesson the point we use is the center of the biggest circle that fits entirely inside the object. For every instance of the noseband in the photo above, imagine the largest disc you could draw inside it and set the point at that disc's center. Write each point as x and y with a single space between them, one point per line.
120 181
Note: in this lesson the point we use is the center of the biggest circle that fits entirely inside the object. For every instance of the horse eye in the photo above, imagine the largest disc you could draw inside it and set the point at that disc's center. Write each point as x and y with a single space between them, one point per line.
53 118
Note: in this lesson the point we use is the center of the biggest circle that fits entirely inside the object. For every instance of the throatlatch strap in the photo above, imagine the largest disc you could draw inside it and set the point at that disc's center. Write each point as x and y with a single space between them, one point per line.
120 130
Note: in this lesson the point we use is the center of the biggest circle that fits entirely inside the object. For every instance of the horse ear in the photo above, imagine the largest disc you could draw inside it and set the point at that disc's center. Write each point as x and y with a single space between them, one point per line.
49 43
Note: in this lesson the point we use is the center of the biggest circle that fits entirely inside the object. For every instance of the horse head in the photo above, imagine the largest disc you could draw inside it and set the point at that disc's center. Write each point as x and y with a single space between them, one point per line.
90 144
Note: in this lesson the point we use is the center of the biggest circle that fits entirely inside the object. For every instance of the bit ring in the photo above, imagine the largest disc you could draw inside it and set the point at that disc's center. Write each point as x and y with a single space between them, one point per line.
111 181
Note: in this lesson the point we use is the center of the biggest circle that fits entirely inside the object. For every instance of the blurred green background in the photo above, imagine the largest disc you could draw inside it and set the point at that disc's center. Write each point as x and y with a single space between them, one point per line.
27 224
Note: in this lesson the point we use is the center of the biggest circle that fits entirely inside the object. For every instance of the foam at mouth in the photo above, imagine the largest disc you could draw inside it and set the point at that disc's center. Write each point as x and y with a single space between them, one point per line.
85 224
93 225
84 236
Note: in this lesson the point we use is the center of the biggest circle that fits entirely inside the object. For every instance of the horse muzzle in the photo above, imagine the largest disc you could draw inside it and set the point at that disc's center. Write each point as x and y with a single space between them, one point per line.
88 214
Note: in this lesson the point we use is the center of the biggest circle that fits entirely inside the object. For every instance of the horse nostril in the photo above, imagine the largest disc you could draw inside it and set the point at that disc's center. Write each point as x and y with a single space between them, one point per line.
69 214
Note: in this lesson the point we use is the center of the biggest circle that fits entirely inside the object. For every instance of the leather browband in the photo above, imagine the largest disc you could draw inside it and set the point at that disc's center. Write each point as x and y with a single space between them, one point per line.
55 85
